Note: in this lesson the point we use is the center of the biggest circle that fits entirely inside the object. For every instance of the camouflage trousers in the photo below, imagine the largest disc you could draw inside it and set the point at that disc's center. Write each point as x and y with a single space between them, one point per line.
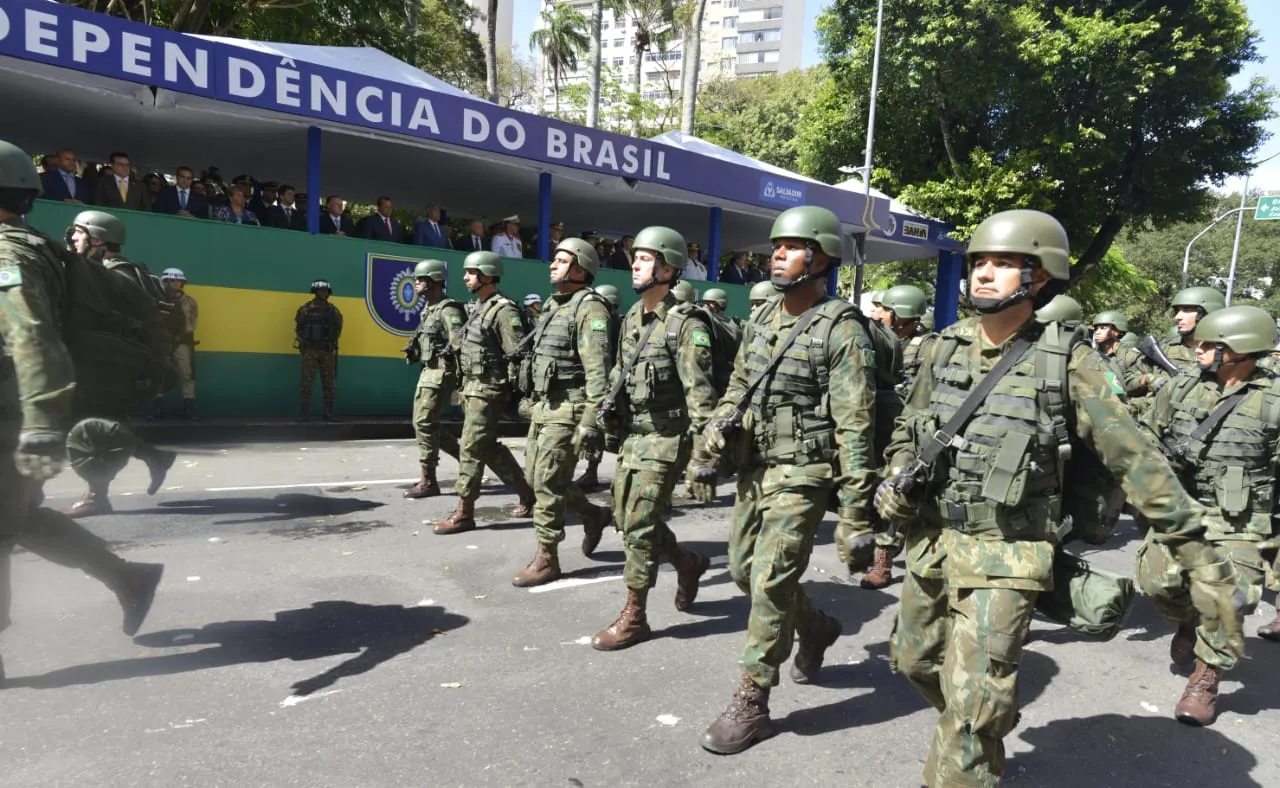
1163 580
45 532
775 518
432 435
643 484
480 447
324 362
960 648
549 461
185 362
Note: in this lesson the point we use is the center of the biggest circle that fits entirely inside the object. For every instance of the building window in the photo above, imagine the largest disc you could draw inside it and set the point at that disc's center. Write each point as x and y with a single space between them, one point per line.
761 14
618 42
604 24
758 36
729 42
730 22
618 61
730 3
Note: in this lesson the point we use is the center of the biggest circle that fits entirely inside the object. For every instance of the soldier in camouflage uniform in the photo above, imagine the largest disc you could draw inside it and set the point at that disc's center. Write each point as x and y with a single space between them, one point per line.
663 389
101 441
491 341
760 293
685 293
571 363
807 435
982 526
1231 471
1189 306
590 478
318 327
1108 329
1062 309
186 318
37 387
434 346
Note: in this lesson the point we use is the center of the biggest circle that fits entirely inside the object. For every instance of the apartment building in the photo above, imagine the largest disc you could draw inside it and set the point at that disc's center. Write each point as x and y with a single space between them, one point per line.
505 15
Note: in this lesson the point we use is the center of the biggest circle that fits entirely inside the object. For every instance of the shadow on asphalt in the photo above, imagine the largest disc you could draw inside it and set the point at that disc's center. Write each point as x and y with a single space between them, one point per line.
374 633
288 506
1115 750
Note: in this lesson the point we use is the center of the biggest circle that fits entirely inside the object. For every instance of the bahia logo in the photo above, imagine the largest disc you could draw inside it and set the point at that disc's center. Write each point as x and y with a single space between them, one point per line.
389 293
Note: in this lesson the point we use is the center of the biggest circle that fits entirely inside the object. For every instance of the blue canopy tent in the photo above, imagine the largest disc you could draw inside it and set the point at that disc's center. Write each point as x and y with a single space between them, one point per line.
358 122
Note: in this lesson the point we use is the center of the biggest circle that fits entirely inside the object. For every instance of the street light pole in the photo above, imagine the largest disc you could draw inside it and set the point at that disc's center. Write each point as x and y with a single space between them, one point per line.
1235 246
1186 257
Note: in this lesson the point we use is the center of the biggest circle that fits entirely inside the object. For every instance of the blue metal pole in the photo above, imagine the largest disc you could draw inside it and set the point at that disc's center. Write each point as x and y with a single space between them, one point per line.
314 197
946 305
544 216
713 245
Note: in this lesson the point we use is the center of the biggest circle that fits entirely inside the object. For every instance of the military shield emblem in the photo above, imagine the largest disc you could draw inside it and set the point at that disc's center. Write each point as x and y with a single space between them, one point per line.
389 293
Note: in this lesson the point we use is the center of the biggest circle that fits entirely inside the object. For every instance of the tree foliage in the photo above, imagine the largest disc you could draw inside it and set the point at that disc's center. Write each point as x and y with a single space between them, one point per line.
759 117
1105 113
562 39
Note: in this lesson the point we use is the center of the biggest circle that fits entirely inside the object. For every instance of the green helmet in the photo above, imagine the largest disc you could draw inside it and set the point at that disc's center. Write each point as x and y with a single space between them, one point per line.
717 296
1131 339
486 263
584 253
1112 317
1032 233
431 269
1205 298
609 292
101 225
667 243
684 292
1061 309
762 291
810 223
17 171
1244 329
877 297
908 302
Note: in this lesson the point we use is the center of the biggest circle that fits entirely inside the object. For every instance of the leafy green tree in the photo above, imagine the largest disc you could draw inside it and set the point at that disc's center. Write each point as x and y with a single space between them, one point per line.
561 39
653 23
760 117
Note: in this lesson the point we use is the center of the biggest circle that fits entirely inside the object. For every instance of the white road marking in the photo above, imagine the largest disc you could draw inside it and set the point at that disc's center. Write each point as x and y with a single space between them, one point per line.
294 700
309 484
574 582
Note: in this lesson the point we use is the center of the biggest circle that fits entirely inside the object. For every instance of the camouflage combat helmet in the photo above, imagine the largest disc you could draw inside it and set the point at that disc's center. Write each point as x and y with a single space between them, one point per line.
431 269
1112 317
761 292
1131 339
487 263
1244 329
1062 309
1032 233
684 292
810 223
174 274
908 302
1206 298
717 296
666 243
321 284
877 297
17 171
609 292
583 253
101 225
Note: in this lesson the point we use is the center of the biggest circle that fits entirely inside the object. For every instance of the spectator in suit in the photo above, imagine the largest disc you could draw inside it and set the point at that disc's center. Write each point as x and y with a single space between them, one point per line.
286 214
621 257
183 199
266 199
48 163
430 232
473 241
118 188
236 210
60 181
335 221
382 226
508 244
151 185
735 273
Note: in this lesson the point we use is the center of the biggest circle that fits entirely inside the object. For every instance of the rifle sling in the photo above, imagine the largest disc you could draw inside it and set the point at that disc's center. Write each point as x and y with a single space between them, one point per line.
800 325
630 363
1219 415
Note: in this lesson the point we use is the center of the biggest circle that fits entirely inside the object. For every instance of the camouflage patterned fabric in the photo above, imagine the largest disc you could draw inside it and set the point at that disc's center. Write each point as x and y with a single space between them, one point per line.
492 335
318 328
439 330
325 364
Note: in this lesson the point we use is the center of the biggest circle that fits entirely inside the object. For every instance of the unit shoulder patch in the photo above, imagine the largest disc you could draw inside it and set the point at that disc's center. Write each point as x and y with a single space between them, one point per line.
10 276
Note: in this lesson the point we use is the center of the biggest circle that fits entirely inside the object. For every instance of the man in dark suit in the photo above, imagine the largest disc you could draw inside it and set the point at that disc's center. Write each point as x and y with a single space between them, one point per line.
182 199
474 240
621 257
117 188
334 221
61 182
736 272
382 226
429 231
286 214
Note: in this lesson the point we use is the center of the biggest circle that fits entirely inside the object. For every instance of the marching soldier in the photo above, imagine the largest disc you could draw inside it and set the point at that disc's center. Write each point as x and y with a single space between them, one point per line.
590 478
759 294
1189 306
187 317
318 327
1109 328
685 293
1061 309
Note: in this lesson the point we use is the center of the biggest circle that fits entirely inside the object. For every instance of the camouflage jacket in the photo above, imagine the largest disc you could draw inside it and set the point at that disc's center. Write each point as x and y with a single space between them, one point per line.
318 326
436 341
572 358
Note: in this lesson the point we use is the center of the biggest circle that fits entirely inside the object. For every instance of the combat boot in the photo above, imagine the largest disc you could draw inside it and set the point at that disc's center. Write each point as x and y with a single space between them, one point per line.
744 723
590 478
93 502
881 572
527 500
135 587
154 409
189 409
304 412
817 634
1271 631
594 522
328 412
631 626
462 519
1200 696
690 567
1182 648
427 486
158 464
542 569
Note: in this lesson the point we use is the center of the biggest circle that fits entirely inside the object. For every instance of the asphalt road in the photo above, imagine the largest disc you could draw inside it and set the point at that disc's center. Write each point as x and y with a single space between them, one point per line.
312 631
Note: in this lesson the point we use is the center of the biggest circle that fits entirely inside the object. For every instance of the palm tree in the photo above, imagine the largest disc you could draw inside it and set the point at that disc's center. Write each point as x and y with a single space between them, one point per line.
491 51
692 54
653 21
593 75
562 38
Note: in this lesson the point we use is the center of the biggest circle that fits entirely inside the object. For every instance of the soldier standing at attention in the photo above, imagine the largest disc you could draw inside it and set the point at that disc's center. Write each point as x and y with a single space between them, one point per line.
982 528
661 388
184 342
571 362
490 340
1221 432
804 378
37 377
434 346
318 327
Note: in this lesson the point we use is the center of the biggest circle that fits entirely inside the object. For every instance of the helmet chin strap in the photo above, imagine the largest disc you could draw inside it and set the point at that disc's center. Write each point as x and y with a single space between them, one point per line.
782 284
990 306
653 277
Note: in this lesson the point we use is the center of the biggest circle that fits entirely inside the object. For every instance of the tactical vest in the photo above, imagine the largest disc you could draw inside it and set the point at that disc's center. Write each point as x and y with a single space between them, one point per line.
1232 469
654 389
432 336
725 340
793 422
1181 355
482 355
557 368
914 350
318 326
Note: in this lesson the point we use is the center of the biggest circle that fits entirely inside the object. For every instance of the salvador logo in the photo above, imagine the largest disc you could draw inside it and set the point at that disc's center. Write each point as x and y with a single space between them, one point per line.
388 293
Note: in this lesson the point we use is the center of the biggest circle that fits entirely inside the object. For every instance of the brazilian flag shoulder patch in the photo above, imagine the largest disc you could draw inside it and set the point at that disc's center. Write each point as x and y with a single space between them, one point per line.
868 357
515 320
455 319
701 339
1115 383
599 325
10 276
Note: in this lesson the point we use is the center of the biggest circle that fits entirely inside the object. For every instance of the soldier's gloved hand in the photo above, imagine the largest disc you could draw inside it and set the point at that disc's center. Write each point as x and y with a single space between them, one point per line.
715 436
702 480
587 439
40 455
1217 595
893 505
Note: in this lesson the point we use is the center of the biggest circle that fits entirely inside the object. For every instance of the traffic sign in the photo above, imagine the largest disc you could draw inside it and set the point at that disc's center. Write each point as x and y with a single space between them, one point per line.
1268 208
